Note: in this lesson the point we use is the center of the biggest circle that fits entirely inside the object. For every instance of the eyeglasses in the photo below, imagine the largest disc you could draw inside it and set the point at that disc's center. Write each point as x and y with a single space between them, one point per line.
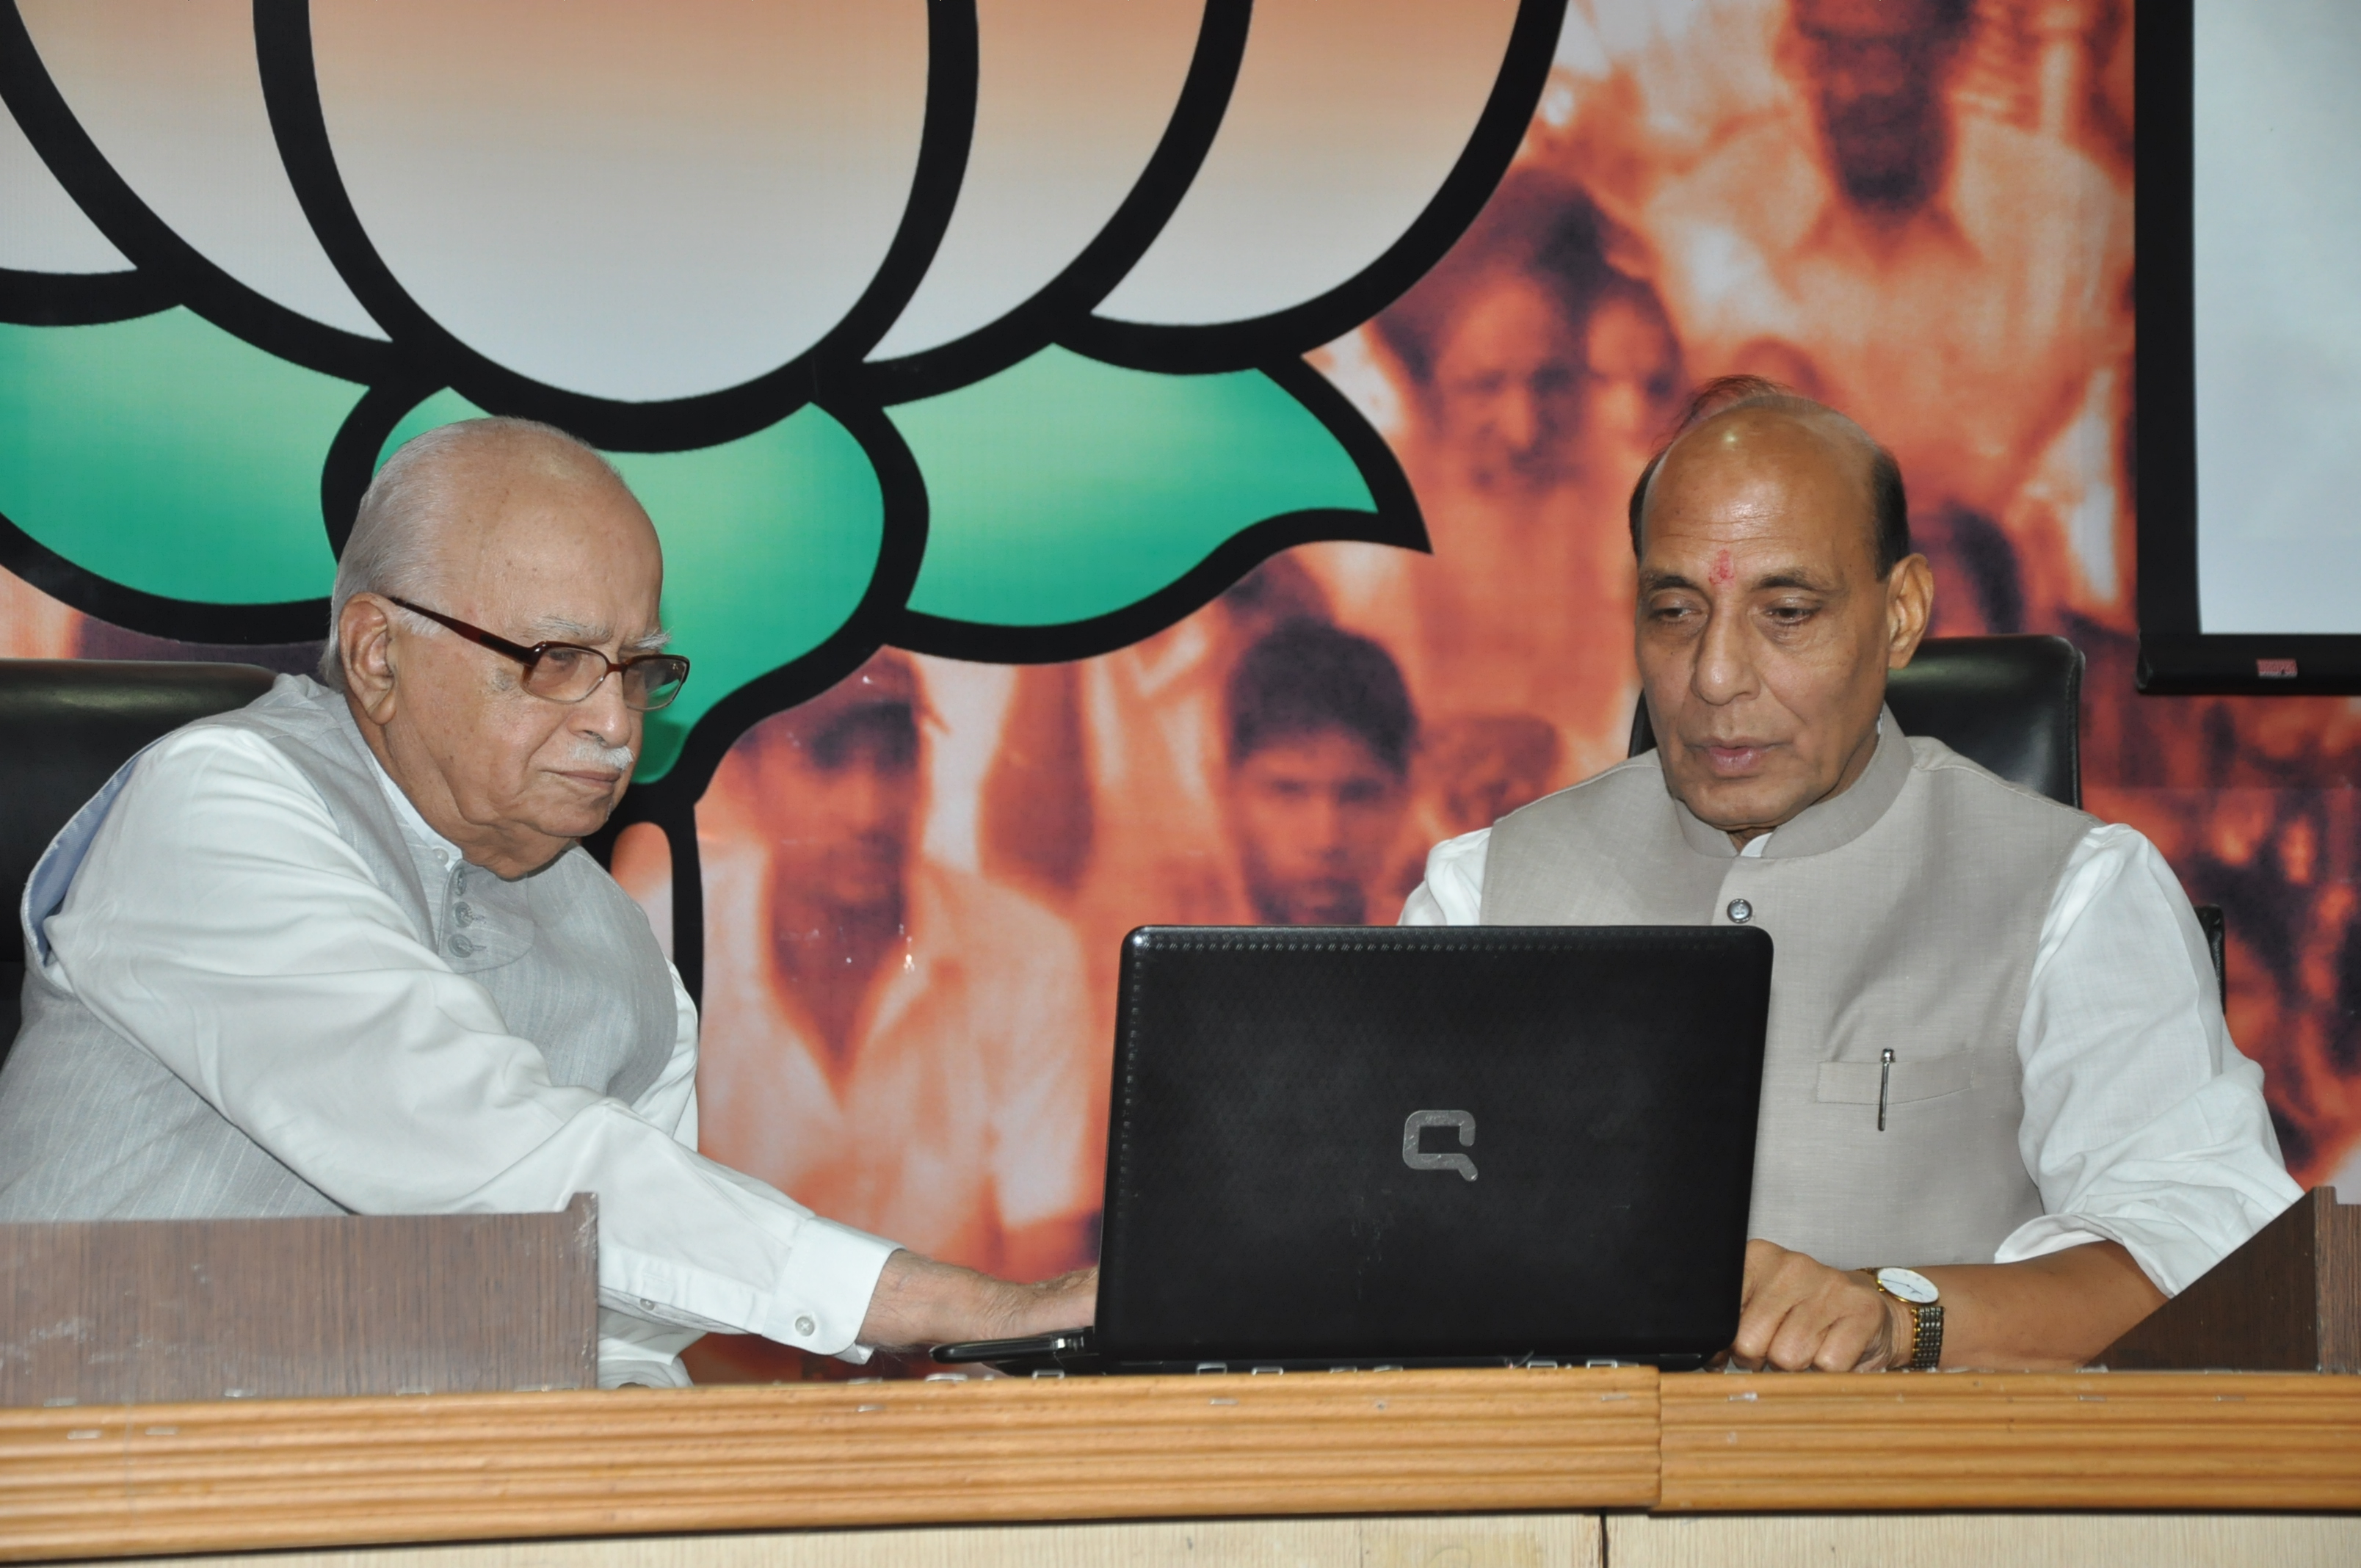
567 671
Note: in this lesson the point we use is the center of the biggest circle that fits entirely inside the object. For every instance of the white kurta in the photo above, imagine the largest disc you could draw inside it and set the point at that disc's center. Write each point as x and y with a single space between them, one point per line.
223 925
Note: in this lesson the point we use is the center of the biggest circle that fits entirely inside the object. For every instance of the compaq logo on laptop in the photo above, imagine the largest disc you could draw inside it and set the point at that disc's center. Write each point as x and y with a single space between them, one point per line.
1418 1160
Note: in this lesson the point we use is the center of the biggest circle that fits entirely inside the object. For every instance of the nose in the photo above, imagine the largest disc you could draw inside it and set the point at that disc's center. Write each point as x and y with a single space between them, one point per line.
866 800
605 715
1516 417
1619 406
1879 71
1325 838
1724 670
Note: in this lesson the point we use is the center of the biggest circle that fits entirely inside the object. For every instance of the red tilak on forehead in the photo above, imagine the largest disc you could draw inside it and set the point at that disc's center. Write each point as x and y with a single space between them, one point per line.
1721 568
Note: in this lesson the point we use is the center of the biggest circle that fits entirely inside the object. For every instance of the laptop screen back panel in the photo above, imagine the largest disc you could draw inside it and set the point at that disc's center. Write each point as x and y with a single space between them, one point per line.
1273 1192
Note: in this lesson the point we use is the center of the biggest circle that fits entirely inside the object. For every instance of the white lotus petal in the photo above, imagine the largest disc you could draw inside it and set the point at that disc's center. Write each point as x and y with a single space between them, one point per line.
170 92
632 201
45 231
1346 119
1072 98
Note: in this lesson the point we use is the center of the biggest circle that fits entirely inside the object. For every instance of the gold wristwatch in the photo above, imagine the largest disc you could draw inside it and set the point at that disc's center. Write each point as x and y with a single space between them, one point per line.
1917 1292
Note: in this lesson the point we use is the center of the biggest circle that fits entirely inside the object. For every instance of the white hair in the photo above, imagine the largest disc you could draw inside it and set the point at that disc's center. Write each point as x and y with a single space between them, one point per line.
397 534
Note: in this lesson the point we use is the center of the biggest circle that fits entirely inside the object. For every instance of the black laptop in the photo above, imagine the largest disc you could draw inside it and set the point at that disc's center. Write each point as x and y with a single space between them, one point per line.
1367 1146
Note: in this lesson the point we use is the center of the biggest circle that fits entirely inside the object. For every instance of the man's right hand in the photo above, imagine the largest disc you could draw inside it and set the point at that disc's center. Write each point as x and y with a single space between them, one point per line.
919 1302
1797 1314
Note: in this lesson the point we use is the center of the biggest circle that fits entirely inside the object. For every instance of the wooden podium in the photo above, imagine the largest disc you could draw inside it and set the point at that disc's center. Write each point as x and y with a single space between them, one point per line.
2288 1301
138 1312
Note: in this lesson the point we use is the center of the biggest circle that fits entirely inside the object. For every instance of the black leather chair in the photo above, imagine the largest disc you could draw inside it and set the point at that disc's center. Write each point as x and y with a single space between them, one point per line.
65 726
2013 703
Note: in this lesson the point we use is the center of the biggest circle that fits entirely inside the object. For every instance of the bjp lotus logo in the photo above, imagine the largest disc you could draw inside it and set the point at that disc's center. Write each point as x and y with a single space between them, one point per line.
971 328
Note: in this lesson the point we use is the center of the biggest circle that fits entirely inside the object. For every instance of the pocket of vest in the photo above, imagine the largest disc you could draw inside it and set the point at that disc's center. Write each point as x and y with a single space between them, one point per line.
1922 1077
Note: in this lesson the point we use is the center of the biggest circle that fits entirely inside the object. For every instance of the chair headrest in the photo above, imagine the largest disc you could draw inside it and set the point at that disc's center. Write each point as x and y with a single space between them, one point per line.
67 724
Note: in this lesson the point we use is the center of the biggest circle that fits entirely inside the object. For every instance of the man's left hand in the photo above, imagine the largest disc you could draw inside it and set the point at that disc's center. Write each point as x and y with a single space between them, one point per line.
1797 1315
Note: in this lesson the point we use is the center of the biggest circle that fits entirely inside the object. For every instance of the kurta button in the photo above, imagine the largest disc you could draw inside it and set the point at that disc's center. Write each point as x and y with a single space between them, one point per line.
465 914
1741 912
805 1326
461 945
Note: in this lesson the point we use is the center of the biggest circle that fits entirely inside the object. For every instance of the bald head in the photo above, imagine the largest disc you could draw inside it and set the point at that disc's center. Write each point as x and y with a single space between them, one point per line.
442 494
1747 413
1771 607
512 535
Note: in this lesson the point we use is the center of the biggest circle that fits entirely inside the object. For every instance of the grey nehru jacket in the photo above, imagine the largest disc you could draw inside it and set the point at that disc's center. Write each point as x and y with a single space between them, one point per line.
91 1126
1905 915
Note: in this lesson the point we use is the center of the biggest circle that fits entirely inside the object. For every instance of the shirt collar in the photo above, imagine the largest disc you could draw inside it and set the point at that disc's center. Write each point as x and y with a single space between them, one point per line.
1827 825
407 815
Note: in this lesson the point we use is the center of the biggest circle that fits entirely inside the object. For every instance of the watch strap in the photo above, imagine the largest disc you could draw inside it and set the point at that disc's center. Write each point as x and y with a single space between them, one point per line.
1926 1327
1927 1336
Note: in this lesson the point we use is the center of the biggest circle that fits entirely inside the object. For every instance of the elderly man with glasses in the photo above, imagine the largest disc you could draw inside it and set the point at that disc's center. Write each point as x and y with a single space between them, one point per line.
340 952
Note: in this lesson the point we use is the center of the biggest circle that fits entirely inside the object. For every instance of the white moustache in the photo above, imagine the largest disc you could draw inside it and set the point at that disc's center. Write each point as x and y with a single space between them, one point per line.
619 758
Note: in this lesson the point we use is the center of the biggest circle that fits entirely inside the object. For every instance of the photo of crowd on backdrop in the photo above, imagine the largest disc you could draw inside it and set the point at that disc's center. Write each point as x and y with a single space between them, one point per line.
916 885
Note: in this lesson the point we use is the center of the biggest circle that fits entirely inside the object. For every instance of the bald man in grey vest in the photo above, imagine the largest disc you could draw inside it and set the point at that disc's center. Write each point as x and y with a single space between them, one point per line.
342 951
2002 1118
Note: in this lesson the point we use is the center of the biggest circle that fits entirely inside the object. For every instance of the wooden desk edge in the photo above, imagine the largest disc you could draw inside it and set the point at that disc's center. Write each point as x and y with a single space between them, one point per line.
2166 1442
124 1481
118 1481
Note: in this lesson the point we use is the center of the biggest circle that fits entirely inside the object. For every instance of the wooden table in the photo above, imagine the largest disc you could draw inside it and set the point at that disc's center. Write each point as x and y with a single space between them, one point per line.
1525 1464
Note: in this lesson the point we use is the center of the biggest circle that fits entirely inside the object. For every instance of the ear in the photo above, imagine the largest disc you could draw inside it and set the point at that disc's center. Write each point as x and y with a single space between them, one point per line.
365 641
1909 604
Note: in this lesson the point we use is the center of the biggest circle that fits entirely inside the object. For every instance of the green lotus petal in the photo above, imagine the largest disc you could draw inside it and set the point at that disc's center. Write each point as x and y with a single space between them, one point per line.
769 544
1063 489
166 455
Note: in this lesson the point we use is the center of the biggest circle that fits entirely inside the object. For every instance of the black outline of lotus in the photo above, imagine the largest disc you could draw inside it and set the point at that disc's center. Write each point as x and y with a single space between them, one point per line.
420 357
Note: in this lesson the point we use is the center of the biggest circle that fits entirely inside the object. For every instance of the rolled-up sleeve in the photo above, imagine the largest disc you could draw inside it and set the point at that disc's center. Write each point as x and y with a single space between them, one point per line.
221 923
2144 1124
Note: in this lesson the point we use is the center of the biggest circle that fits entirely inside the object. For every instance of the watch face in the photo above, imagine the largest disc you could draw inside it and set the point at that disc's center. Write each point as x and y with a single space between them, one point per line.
1910 1285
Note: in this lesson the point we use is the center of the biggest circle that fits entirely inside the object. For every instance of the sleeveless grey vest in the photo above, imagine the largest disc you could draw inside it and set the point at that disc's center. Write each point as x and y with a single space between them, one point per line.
92 1127
1904 914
